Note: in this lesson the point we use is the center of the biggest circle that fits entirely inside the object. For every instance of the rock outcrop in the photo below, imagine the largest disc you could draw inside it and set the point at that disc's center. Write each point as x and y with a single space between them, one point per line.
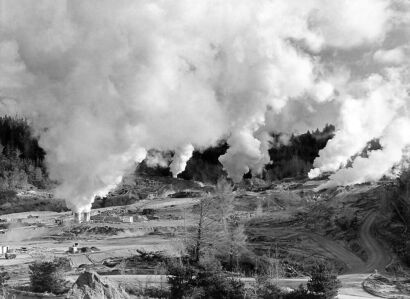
90 285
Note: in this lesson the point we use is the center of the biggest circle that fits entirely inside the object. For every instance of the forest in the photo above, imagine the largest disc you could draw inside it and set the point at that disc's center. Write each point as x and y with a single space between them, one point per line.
21 157
293 158
22 160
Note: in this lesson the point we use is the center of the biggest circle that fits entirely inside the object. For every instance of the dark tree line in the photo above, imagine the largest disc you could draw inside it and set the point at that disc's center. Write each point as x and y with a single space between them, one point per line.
293 159
204 166
21 157
16 135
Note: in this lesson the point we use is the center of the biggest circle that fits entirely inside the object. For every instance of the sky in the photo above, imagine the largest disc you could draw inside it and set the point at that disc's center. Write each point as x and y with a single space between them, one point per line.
103 82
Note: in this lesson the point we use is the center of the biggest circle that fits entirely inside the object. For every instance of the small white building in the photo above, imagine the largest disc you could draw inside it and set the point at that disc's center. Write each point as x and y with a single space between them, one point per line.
4 249
127 219
73 249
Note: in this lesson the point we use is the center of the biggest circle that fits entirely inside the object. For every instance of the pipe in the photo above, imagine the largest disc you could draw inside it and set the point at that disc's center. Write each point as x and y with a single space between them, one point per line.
86 216
77 217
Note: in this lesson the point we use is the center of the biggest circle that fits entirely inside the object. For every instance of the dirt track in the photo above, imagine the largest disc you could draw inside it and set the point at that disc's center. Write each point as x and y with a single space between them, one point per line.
378 256
353 263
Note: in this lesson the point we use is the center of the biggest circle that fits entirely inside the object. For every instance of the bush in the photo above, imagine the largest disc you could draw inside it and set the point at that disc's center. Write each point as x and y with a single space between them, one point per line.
62 263
323 281
265 289
47 276
207 281
181 279
218 285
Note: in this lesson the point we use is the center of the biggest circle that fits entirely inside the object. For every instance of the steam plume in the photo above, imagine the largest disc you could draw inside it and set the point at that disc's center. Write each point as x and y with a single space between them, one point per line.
362 119
379 162
104 81
181 157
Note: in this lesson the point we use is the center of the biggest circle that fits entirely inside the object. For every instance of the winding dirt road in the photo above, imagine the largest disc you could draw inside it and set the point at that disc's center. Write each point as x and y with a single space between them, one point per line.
378 256
353 263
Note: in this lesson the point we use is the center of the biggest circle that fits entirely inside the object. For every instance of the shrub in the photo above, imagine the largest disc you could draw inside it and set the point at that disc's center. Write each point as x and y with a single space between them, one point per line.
323 281
47 276
181 279
62 263
218 285
207 281
265 289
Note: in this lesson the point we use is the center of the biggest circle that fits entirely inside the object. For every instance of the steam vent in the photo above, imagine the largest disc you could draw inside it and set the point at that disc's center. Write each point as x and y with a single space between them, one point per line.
82 217
86 216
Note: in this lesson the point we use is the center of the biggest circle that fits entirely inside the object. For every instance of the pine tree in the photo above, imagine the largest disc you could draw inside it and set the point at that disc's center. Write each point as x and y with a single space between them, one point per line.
47 277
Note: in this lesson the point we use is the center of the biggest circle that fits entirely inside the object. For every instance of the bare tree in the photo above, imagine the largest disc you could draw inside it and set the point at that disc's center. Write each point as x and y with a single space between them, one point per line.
207 225
224 201
217 227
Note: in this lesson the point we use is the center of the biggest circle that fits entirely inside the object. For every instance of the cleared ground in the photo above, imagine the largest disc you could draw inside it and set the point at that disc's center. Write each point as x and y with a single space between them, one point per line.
270 218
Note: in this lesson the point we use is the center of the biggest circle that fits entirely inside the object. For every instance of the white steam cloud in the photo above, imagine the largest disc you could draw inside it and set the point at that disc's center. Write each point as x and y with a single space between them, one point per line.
104 81
155 158
181 157
379 163
362 119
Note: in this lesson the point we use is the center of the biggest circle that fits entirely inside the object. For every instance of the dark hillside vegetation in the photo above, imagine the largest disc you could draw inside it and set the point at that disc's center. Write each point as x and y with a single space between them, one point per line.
295 158
290 160
22 167
21 158
16 136
205 166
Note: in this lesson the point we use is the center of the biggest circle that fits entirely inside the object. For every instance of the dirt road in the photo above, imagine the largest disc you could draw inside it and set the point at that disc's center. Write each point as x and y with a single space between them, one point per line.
352 287
353 263
378 256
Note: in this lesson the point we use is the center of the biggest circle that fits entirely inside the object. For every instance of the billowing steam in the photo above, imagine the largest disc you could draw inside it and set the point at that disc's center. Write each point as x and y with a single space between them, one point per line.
379 162
379 103
181 157
105 81
155 158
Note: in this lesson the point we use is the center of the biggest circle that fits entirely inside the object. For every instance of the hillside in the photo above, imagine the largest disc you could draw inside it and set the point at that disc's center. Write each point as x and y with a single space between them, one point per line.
284 225
286 221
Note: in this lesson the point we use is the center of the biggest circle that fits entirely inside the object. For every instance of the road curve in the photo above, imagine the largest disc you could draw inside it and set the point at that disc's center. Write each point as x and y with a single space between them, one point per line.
378 256
353 263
